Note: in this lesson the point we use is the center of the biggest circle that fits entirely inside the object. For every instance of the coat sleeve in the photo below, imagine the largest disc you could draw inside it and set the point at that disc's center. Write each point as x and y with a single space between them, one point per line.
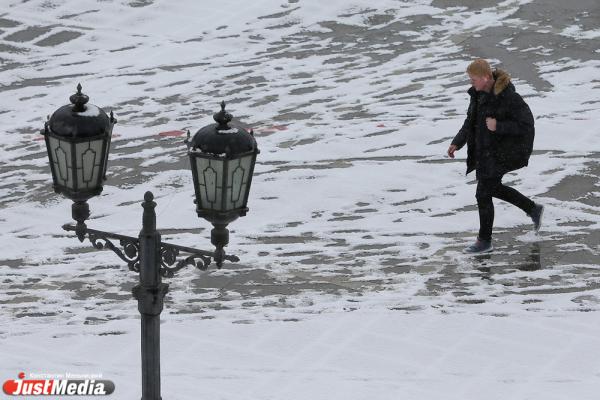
463 134
519 120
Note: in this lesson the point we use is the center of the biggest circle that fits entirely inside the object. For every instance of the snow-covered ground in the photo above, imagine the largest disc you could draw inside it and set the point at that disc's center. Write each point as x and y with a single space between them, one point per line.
359 355
351 284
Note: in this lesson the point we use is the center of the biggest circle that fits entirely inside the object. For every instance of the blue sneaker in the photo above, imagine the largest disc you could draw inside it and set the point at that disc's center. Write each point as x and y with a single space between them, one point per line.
536 216
480 246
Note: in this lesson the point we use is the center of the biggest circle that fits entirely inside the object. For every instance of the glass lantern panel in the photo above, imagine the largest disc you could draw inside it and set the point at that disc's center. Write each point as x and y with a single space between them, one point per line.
89 158
60 157
103 172
238 174
210 183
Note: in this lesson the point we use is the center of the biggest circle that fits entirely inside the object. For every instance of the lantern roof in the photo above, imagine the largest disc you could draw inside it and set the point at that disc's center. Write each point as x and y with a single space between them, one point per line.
224 139
79 119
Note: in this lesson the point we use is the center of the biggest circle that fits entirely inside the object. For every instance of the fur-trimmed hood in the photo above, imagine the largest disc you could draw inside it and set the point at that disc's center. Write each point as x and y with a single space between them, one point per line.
502 82
502 79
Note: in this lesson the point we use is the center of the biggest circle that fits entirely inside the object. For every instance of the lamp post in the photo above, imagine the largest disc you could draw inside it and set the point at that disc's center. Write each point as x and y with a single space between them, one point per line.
78 137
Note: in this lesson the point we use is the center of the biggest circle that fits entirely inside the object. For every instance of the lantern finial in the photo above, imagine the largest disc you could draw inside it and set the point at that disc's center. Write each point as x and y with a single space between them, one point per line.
79 100
223 118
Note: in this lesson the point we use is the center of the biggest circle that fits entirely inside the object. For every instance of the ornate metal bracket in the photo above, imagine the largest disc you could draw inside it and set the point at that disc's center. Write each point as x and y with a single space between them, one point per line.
130 252
198 258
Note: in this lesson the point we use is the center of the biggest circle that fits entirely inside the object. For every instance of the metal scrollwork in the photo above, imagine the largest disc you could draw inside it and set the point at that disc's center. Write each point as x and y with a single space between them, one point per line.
130 253
168 257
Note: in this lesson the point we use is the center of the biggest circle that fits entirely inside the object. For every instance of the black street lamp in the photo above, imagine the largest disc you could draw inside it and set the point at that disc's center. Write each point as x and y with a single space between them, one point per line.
78 140
222 157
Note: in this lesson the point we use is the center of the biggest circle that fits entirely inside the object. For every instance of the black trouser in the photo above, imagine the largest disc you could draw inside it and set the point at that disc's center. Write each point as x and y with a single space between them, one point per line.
493 187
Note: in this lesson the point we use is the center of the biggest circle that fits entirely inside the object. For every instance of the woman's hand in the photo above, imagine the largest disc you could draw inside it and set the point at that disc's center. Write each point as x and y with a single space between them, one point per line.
491 124
451 150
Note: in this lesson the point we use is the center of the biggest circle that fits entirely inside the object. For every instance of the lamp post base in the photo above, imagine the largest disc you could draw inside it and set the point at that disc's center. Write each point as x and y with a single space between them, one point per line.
150 305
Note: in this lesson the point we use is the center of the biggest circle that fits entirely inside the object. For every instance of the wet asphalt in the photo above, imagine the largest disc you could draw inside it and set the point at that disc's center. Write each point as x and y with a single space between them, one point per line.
572 259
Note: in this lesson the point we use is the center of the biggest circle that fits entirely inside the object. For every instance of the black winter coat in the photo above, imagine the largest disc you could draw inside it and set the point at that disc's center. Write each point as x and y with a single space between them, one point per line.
509 147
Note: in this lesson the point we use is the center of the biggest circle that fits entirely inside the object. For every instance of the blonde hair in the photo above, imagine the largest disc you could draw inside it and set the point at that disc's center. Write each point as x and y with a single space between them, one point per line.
479 68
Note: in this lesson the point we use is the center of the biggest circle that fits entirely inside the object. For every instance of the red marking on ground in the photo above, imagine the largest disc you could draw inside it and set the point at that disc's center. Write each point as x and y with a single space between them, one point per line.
272 129
171 133
381 125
